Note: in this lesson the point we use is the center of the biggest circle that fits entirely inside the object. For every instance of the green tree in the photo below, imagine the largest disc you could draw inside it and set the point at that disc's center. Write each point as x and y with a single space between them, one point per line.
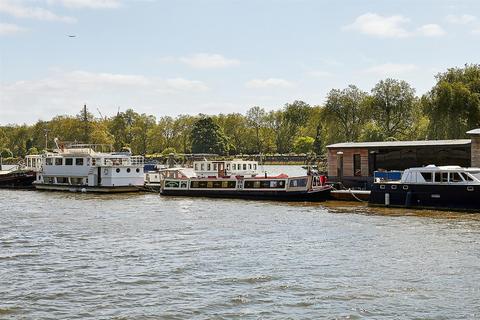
256 118
207 137
453 104
317 146
303 144
392 107
140 129
345 113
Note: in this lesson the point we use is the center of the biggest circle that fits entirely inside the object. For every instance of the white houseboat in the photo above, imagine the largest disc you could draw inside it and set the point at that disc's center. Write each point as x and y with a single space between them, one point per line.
80 167
241 179
443 187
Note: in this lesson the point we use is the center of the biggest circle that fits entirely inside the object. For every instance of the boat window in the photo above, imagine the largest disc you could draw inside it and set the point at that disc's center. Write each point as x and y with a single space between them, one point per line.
208 167
469 178
215 167
228 166
79 161
441 177
202 166
254 166
244 166
196 166
455 177
48 161
250 166
94 161
427 176
58 161
357 165
298 182
68 161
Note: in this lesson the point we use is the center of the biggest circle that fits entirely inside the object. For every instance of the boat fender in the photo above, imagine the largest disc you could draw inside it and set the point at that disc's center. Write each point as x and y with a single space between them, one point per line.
387 199
408 199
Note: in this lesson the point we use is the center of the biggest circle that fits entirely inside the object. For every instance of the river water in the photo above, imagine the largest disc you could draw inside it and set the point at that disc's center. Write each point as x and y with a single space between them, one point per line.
142 256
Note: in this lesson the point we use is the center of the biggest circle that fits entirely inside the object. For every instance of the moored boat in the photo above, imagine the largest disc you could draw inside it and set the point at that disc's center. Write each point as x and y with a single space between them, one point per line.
16 177
241 179
430 187
80 167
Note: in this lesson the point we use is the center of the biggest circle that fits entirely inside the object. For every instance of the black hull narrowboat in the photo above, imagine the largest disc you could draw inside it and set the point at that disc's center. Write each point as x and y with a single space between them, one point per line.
312 196
439 188
241 179
17 179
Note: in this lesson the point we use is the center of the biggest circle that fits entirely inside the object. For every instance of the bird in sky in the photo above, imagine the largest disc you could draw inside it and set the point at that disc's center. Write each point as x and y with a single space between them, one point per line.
71 35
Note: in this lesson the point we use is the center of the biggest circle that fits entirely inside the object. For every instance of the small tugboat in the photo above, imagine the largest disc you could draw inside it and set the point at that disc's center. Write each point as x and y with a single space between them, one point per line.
79 167
241 179
430 187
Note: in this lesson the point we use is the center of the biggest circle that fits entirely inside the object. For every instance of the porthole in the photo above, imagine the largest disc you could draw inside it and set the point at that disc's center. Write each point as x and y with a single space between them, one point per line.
394 187
138 170
118 170
382 187
470 188
128 170
405 187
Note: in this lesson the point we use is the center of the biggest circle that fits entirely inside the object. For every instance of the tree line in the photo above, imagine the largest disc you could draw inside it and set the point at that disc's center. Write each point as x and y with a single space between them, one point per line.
390 111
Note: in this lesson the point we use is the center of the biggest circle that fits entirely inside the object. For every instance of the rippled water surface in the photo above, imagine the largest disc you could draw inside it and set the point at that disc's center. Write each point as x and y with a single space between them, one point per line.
141 256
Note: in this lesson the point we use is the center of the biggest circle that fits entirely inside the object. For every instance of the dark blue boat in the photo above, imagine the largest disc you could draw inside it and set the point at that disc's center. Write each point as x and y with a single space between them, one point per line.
430 187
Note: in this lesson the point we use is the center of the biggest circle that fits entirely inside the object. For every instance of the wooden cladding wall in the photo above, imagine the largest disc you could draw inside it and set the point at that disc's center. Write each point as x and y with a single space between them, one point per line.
475 151
348 154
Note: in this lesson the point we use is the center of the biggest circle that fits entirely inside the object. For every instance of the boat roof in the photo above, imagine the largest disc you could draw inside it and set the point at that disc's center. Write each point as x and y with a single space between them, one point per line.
392 144
442 168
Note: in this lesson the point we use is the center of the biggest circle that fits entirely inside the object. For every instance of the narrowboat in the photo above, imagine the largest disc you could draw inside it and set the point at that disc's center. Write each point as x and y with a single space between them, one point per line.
430 187
241 179
88 168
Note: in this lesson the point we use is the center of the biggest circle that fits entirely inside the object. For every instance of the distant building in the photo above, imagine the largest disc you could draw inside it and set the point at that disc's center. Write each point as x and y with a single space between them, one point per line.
353 163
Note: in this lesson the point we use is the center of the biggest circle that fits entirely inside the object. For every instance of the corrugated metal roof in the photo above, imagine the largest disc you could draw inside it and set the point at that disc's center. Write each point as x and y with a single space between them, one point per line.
474 131
420 143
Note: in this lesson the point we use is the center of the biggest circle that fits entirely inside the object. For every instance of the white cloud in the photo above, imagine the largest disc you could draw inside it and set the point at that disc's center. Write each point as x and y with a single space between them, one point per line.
269 83
461 19
65 92
90 4
466 20
208 61
391 69
380 26
431 30
9 29
18 10
391 27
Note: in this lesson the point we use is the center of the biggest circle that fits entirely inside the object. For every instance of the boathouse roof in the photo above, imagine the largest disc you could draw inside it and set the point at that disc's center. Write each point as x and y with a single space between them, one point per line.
399 144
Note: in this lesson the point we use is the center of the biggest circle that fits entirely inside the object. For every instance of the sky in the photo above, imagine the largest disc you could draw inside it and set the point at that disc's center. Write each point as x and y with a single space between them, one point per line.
219 56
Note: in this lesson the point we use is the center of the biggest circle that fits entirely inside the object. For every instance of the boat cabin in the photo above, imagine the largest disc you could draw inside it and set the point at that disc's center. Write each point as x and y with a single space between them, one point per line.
204 169
81 165
432 174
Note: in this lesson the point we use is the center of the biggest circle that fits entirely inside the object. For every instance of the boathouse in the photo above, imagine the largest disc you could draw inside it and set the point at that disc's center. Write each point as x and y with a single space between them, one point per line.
353 163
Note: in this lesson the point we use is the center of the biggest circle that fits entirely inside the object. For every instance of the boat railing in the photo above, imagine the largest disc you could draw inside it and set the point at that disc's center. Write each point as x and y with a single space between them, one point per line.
107 148
33 162
124 161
